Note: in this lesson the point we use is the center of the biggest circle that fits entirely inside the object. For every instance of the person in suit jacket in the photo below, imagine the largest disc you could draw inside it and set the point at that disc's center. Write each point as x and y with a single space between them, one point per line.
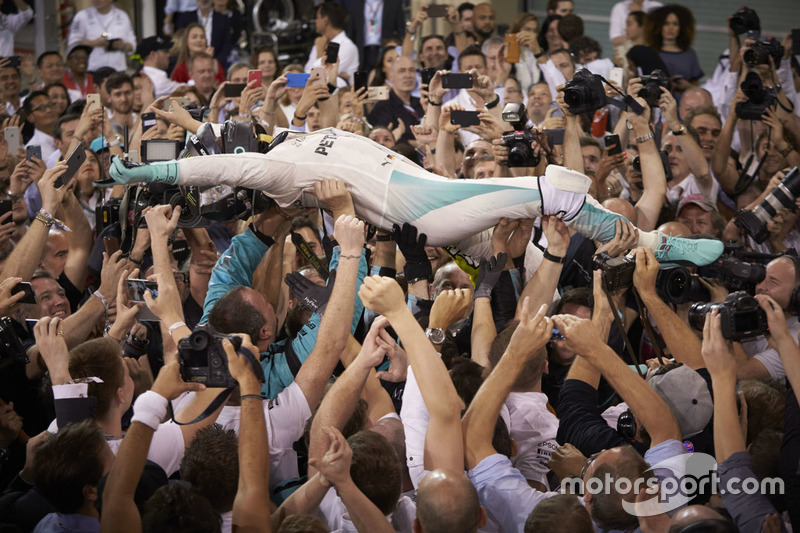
401 106
218 28
371 23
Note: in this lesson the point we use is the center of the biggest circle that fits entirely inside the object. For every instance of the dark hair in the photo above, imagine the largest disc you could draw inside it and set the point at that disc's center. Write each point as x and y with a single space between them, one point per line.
560 514
465 6
302 523
337 15
656 19
101 358
467 378
639 16
542 37
585 44
578 296
409 152
58 84
765 406
429 37
63 119
69 461
117 80
100 75
501 438
305 222
27 105
471 50
569 27
175 508
380 75
49 53
198 55
588 140
231 314
376 469
607 510
211 465
553 4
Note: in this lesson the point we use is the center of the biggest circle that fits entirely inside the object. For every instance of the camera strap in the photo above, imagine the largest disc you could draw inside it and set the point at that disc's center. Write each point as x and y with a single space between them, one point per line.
628 347
305 251
215 404
628 101
654 339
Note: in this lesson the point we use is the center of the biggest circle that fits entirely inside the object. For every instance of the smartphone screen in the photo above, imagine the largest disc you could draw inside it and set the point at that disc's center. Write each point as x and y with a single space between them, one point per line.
33 151
148 121
27 288
297 79
612 144
137 287
457 81
332 52
74 162
233 90
255 75
6 206
464 118
360 79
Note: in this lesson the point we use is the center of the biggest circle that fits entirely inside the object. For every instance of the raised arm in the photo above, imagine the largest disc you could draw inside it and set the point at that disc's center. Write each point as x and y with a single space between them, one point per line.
654 179
683 344
480 419
572 135
483 328
542 286
81 241
443 440
782 340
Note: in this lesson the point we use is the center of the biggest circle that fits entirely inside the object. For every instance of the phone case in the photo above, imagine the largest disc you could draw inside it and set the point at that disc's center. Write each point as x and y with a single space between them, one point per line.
234 90
377 93
317 76
512 48
74 162
465 118
437 10
457 81
11 135
297 79
255 75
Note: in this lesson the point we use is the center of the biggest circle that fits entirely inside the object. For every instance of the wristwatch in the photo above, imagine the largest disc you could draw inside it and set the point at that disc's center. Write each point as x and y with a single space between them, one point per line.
435 335
679 131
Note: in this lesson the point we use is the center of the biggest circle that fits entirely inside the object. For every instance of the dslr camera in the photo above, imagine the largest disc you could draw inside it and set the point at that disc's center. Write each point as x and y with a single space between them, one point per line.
651 87
755 222
584 93
520 152
617 271
740 314
759 98
761 51
678 285
203 359
745 20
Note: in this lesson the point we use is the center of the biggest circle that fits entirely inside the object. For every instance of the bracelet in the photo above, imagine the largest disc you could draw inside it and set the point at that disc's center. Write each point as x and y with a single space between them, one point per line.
176 325
304 117
254 396
413 281
494 103
149 409
645 138
540 54
554 258
434 104
383 238
101 298
459 32
45 218
341 256
137 262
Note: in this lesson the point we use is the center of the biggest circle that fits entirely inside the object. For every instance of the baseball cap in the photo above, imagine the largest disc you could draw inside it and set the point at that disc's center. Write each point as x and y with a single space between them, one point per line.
152 44
99 144
699 200
686 393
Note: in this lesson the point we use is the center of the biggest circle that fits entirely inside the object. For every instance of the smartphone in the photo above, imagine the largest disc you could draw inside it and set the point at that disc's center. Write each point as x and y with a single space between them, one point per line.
612 144
377 94
456 81
753 34
427 75
233 90
255 75
137 287
555 137
111 244
6 206
317 76
512 48
437 10
616 76
32 151
464 118
148 121
173 103
11 135
796 42
74 162
360 79
332 53
27 288
93 101
296 79
31 323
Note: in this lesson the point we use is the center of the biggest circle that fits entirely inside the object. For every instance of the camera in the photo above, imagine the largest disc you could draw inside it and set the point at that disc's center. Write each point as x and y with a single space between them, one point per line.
760 52
738 275
203 359
740 314
11 348
755 222
759 98
617 271
651 87
678 285
520 151
744 20
584 93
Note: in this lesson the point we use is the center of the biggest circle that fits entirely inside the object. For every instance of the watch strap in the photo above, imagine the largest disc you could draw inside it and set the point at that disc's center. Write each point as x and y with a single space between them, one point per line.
555 258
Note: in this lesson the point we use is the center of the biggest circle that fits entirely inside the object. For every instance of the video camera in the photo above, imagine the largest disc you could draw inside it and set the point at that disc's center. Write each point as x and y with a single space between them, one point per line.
740 313
520 152
203 359
759 98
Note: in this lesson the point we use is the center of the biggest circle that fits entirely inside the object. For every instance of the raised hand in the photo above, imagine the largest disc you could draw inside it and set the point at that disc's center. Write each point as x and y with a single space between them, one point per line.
349 233
239 363
335 464
373 350
625 238
489 273
450 306
162 221
716 350
581 336
8 301
412 246
309 294
169 383
398 359
53 348
644 277
382 295
532 334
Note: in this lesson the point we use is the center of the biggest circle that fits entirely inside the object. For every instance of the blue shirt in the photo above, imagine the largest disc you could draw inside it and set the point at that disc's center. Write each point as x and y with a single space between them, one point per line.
76 523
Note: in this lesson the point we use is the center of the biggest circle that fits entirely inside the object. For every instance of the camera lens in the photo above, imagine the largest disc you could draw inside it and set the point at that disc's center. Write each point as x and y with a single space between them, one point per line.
698 312
755 56
518 155
575 96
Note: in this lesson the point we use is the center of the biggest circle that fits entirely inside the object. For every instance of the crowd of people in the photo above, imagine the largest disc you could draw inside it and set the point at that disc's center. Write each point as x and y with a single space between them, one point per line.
464 279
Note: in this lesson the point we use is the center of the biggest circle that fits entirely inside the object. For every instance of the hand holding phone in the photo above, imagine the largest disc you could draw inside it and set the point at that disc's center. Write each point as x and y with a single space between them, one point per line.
33 151
332 53
27 288
464 118
11 134
457 80
295 79
256 75
74 162
137 287
612 144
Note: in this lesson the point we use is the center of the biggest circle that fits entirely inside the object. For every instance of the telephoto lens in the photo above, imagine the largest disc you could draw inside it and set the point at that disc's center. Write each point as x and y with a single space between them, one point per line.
782 197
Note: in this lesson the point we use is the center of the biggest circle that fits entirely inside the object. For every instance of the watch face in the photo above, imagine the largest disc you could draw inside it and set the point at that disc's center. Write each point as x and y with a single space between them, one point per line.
436 336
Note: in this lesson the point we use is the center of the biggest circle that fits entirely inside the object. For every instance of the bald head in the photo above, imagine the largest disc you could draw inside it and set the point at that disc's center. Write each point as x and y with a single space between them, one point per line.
621 207
694 513
674 229
447 501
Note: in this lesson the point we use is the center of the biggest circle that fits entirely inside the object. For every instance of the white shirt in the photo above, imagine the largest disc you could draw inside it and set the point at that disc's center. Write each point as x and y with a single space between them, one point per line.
10 25
534 429
620 12
348 56
760 349
178 6
333 511
89 24
689 186
162 85
47 142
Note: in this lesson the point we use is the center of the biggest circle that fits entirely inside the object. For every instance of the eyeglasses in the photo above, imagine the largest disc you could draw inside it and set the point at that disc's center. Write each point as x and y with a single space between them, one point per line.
588 463
51 105
14 197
